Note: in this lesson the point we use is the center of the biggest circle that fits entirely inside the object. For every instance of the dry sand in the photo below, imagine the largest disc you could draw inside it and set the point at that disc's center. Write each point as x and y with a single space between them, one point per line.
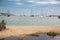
19 31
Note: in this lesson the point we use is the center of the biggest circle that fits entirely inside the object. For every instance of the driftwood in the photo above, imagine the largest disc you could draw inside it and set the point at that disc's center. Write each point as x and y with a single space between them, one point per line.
2 25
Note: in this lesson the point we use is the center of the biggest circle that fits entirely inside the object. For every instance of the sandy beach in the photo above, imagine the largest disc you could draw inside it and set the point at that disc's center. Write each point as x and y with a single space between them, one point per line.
20 31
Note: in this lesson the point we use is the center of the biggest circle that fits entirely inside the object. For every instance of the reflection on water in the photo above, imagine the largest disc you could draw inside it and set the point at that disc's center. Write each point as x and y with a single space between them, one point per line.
40 37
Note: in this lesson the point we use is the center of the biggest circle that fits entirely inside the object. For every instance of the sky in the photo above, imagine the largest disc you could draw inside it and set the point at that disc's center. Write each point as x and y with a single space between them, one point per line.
29 7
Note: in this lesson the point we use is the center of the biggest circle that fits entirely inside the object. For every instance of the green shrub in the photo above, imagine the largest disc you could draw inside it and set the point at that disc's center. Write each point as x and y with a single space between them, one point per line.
34 34
51 34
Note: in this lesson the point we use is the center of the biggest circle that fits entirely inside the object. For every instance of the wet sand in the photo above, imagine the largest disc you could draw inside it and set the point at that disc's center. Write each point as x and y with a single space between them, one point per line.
20 31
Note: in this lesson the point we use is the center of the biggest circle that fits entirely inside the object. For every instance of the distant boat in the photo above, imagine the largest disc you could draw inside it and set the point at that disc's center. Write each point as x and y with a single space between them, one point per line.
41 16
32 16
6 14
52 15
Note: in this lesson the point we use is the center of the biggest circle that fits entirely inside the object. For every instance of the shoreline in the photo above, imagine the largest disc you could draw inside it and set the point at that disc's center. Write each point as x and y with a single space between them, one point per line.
20 31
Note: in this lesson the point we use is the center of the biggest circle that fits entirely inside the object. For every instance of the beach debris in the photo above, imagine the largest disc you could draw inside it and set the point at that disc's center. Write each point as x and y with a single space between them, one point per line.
2 25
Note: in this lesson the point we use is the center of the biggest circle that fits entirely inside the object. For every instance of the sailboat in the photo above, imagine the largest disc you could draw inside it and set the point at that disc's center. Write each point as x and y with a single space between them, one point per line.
8 13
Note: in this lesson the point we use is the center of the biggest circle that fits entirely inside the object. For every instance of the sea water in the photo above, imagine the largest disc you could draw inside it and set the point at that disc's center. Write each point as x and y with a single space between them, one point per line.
31 21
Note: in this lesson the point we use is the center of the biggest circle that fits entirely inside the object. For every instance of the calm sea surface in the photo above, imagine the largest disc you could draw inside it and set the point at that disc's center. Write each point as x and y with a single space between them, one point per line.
31 21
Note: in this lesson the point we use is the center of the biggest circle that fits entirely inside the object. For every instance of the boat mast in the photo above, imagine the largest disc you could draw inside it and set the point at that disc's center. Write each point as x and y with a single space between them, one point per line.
8 12
32 15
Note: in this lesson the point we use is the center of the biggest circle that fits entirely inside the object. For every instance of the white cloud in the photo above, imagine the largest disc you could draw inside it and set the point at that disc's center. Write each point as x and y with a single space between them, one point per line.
31 1
36 2
18 3
41 2
52 2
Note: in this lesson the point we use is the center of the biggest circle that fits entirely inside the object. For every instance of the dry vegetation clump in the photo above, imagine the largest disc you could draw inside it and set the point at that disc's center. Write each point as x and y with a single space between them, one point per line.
2 25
